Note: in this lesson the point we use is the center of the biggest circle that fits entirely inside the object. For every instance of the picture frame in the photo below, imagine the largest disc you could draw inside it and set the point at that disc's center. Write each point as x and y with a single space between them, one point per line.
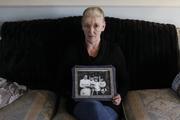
93 82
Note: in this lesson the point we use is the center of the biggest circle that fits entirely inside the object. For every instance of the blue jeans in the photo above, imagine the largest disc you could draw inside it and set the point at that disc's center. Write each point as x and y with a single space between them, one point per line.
94 110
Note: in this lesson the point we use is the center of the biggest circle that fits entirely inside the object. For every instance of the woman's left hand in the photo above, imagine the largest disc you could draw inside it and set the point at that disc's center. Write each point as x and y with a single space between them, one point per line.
116 99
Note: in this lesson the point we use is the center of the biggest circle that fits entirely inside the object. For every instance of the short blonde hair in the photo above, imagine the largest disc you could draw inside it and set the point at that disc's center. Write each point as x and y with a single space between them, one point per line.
93 11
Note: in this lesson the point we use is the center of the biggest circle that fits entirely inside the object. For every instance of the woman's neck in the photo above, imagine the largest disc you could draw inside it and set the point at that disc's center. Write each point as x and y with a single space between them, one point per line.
92 49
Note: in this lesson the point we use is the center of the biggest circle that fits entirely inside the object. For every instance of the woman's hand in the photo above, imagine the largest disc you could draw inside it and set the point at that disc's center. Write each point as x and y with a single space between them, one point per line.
116 99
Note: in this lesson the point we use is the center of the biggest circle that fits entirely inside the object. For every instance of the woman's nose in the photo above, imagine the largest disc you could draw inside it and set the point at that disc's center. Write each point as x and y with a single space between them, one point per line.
91 30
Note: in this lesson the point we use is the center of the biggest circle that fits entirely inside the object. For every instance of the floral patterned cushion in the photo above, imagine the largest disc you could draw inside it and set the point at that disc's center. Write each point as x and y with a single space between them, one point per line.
152 104
10 91
176 84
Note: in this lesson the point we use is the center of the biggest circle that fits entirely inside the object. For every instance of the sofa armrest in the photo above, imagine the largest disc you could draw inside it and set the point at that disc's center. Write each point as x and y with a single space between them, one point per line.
152 104
33 105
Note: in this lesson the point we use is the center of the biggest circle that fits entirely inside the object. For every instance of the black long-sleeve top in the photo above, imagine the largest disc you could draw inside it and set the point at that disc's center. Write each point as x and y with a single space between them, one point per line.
109 54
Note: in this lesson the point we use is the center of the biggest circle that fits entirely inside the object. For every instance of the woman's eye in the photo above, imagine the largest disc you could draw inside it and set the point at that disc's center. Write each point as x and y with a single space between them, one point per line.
96 26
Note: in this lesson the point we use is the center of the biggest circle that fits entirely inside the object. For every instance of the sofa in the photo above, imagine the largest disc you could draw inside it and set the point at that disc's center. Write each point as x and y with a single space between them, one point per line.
31 54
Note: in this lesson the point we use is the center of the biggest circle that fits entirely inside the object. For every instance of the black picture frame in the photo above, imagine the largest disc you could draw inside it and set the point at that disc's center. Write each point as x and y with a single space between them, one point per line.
93 82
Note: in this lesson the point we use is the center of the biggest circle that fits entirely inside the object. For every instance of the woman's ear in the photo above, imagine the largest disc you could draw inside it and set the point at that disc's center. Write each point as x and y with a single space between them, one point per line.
104 26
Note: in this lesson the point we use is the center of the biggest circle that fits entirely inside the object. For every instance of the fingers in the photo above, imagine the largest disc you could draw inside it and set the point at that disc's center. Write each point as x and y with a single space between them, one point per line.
116 100
116 97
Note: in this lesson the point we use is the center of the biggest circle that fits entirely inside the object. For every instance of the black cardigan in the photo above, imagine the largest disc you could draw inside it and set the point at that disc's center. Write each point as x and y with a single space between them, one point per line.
109 54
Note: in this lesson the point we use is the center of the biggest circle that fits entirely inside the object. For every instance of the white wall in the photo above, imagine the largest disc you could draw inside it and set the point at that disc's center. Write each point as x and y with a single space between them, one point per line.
156 14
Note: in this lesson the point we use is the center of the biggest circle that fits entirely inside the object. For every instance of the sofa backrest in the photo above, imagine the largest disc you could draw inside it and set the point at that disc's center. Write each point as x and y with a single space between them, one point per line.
31 51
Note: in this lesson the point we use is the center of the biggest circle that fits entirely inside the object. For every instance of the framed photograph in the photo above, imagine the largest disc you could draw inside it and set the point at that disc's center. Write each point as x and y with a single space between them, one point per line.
93 82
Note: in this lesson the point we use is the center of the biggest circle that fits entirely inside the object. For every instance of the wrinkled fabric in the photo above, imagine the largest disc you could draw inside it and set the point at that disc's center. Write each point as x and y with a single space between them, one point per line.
176 84
10 91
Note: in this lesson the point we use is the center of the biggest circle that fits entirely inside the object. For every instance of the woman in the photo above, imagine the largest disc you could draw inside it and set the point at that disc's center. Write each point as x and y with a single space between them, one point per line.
96 51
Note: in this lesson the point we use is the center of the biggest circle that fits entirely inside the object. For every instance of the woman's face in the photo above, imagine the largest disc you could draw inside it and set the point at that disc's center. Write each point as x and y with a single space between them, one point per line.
93 26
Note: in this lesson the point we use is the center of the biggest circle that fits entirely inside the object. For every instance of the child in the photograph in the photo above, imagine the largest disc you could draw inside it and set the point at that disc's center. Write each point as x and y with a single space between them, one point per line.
102 85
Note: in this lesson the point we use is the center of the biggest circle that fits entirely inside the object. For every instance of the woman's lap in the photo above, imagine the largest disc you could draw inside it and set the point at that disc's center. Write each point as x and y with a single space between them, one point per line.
94 110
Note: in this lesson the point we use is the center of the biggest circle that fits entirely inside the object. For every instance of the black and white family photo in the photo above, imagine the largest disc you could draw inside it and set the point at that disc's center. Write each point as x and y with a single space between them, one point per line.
94 85
94 82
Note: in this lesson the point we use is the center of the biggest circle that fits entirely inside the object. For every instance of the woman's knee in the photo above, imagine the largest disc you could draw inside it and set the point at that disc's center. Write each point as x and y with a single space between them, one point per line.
87 110
91 105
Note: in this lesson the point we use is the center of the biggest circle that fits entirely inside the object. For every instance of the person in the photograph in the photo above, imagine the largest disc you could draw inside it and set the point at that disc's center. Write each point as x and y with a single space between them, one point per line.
85 92
96 86
103 90
94 50
85 82
92 85
85 86
102 85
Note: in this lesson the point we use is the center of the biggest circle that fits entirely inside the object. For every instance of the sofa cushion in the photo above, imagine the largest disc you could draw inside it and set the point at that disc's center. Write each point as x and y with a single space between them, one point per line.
152 104
176 84
62 113
34 105
64 116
